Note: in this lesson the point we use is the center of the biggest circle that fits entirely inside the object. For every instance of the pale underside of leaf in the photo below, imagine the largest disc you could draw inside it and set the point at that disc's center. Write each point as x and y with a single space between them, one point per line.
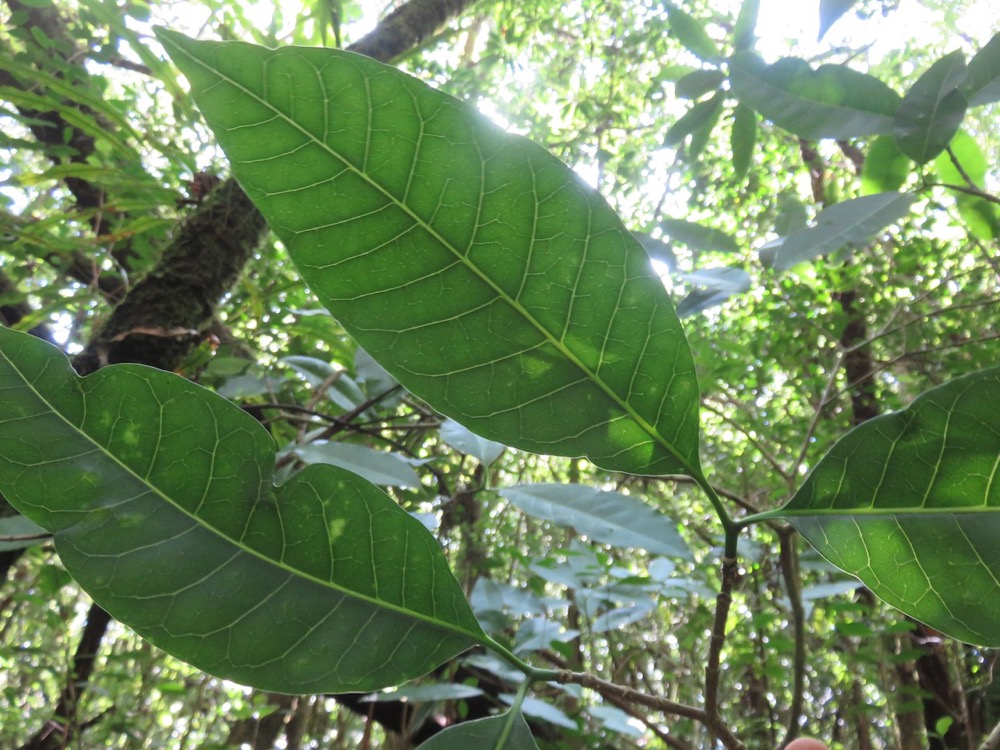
830 102
468 262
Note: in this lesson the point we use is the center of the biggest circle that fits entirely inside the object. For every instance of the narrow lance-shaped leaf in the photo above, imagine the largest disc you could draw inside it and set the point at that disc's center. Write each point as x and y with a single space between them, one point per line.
699 236
746 22
743 139
697 83
932 110
830 11
830 102
716 284
470 263
910 504
982 85
607 517
691 33
697 119
159 495
848 224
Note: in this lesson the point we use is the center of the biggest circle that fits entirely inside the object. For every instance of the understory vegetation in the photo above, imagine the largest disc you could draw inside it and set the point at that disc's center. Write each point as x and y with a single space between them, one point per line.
499 375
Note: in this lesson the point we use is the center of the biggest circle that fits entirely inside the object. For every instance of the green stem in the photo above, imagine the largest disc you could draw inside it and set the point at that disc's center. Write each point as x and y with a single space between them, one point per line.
532 674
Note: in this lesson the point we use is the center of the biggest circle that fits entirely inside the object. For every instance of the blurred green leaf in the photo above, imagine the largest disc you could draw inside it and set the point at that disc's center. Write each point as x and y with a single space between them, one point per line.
717 285
447 691
852 223
981 216
657 249
698 236
691 33
746 22
466 441
982 84
886 167
830 102
606 517
830 11
20 526
743 139
932 110
698 83
699 117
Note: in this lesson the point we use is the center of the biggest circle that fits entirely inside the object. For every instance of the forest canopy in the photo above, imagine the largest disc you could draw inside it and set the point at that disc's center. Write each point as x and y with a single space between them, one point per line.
497 374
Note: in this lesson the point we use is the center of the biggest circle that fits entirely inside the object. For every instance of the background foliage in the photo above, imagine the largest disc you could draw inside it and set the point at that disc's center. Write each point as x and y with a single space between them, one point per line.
117 248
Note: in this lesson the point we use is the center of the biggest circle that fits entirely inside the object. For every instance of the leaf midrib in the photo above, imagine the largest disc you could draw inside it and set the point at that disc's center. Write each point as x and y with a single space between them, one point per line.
693 471
378 603
871 512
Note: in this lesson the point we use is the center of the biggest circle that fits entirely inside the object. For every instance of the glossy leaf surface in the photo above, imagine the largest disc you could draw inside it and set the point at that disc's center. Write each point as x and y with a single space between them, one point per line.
472 264
932 110
910 504
832 101
159 494
607 517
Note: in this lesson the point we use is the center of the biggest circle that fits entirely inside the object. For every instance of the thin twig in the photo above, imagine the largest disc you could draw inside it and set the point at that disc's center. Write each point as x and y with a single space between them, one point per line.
629 695
967 190
793 584
818 414
768 456
668 739
993 741
25 537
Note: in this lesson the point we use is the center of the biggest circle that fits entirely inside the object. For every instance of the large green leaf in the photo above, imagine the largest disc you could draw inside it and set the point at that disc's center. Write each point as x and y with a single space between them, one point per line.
910 504
470 263
932 110
830 102
159 494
